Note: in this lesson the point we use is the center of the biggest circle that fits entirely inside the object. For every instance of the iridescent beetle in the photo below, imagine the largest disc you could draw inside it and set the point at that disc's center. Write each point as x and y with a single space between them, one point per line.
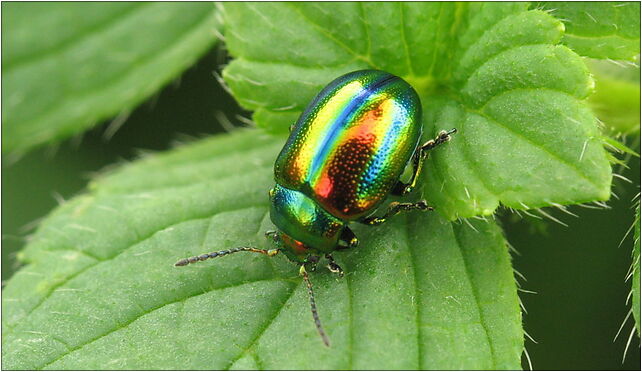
344 156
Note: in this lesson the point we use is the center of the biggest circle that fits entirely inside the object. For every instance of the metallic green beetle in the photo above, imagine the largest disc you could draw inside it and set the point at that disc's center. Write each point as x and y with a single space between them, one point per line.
344 157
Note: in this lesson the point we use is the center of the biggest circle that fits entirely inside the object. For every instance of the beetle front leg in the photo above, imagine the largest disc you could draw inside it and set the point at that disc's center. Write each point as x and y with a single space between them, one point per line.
393 209
418 160
311 262
349 238
333 265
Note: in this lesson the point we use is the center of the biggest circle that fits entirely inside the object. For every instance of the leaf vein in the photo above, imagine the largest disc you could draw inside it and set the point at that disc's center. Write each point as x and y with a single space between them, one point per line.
417 305
561 160
489 58
177 185
404 41
350 325
482 320
264 329
366 29
328 36
72 276
602 37
181 300
440 16
487 30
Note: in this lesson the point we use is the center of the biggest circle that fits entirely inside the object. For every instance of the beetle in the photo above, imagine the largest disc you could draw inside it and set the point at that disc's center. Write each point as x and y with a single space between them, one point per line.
344 156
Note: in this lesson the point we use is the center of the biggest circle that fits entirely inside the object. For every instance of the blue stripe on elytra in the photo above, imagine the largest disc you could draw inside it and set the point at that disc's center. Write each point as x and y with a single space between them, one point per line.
379 158
338 123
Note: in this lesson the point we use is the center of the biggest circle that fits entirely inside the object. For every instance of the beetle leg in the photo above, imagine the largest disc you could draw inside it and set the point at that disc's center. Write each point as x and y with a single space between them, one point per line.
272 234
311 262
395 208
418 160
333 265
349 238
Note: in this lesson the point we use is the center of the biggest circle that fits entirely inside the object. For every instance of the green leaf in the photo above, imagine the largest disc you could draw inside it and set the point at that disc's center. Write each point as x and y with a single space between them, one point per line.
616 100
99 290
636 271
495 71
606 30
95 61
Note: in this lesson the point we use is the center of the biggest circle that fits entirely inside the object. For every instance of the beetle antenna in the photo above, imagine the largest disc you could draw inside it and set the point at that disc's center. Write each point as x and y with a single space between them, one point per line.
313 307
203 257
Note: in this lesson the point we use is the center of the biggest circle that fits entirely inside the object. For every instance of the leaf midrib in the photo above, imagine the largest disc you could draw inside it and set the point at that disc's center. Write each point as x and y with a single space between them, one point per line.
418 297
118 253
140 239
473 287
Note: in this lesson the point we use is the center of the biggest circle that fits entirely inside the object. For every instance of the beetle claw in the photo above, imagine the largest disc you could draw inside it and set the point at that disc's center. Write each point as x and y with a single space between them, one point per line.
335 269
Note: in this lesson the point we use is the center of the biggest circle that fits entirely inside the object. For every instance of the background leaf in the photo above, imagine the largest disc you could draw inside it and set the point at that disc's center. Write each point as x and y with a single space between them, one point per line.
100 292
607 30
96 61
616 100
526 138
636 271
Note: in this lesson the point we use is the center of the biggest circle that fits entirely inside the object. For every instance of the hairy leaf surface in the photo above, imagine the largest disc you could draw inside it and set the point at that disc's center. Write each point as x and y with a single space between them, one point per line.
496 71
67 66
99 290
606 30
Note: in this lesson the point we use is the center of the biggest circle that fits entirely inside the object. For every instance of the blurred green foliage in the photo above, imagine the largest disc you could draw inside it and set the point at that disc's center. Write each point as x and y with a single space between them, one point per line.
617 95
32 184
579 275
97 60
